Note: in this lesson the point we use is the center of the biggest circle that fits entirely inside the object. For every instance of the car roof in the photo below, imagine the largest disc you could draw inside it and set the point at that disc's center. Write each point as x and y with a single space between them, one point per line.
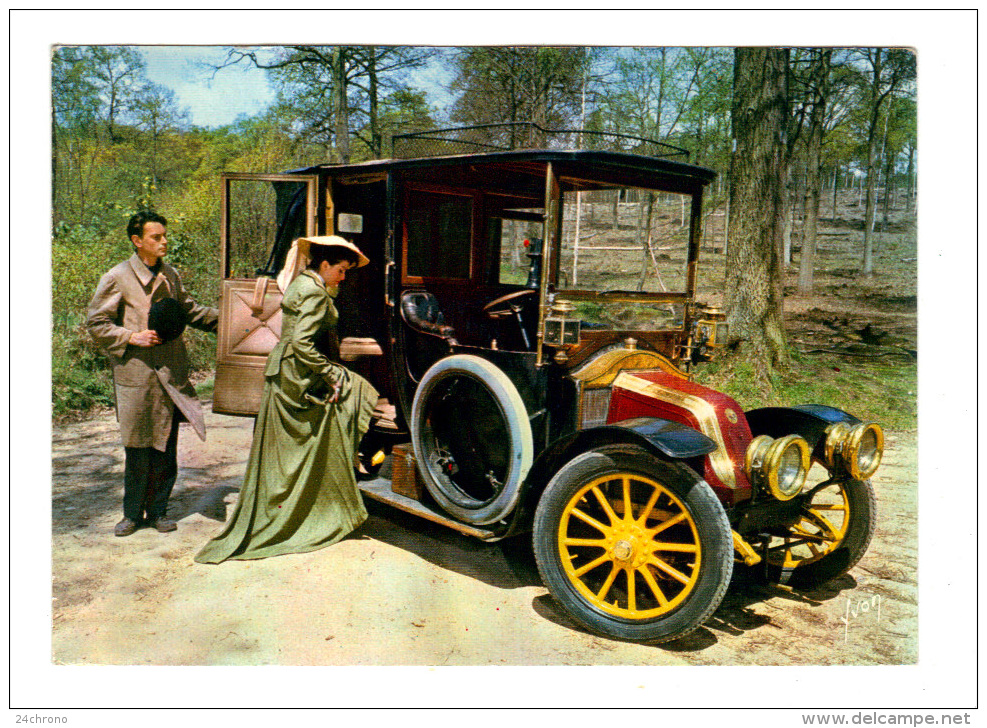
590 166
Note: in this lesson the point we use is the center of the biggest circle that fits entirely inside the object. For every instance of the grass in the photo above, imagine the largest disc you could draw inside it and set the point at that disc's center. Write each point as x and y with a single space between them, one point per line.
882 391
205 388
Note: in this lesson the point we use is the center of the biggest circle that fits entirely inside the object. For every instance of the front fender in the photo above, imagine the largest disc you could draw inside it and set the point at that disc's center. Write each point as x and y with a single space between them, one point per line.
663 438
671 439
808 420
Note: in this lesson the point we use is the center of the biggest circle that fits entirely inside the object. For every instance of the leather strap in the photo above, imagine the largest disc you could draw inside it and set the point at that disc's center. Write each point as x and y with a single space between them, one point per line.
260 293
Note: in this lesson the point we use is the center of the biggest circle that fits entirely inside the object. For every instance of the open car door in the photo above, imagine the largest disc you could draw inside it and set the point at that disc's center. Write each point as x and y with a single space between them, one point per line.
261 215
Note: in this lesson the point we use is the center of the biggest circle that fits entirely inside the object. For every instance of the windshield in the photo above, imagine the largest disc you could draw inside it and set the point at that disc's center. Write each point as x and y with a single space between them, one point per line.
625 239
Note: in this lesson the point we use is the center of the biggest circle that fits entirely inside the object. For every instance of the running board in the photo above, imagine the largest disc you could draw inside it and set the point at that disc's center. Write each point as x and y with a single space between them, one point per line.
380 490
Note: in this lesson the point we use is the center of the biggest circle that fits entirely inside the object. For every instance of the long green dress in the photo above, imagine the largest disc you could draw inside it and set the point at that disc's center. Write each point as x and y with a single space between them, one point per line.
299 492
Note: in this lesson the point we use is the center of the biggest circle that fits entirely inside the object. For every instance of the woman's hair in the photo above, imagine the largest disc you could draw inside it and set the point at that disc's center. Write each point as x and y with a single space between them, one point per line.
332 254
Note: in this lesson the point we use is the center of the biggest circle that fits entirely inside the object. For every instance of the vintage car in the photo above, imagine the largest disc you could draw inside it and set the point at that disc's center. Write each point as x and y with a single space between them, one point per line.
529 317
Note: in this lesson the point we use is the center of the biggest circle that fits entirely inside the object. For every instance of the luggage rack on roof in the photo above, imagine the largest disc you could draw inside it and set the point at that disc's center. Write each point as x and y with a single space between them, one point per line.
509 136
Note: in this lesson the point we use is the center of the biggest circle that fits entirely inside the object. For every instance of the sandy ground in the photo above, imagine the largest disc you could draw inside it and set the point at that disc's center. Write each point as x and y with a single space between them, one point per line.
402 591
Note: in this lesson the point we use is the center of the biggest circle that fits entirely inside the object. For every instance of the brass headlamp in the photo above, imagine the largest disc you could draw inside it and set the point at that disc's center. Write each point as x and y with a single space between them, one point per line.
779 466
857 449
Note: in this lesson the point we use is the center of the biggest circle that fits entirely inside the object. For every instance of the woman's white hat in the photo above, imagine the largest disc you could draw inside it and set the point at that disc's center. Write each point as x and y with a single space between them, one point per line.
299 255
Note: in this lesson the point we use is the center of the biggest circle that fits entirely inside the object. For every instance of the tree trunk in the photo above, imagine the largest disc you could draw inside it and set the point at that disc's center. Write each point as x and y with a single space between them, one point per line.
516 245
889 159
807 258
869 213
111 113
786 234
888 192
875 111
375 138
645 240
910 177
340 108
887 176
726 227
643 211
836 182
154 159
758 178
814 170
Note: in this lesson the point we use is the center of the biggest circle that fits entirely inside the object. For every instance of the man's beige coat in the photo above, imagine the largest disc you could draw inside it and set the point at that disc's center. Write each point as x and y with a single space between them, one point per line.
147 380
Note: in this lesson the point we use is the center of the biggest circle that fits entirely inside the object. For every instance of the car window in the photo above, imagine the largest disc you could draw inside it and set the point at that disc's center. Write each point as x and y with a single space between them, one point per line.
265 215
510 241
625 239
438 235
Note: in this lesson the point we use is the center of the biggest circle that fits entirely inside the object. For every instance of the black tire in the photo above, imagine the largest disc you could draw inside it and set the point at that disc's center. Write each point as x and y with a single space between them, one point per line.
621 596
472 438
848 530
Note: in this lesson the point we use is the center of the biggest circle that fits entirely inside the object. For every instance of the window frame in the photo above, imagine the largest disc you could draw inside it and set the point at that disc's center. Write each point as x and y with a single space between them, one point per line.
694 195
476 200
311 203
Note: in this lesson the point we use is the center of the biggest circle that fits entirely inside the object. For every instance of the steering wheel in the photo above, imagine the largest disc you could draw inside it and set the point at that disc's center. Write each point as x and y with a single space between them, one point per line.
505 305
511 304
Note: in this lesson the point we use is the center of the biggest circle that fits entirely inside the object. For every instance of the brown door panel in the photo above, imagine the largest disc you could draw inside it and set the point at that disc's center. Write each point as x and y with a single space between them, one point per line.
249 328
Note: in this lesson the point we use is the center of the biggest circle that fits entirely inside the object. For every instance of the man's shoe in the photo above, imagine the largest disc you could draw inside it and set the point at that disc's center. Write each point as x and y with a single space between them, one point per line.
164 524
125 527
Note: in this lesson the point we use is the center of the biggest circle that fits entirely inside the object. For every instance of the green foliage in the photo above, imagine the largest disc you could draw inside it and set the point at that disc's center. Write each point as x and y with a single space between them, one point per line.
883 391
80 380
78 383
323 90
120 142
405 111
676 95
538 84
205 388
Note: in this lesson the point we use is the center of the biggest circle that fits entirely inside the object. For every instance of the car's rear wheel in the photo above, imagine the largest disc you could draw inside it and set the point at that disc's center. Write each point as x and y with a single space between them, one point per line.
472 438
632 547
831 536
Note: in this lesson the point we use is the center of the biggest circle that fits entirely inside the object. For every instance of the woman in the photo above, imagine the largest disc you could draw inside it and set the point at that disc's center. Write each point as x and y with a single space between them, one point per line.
299 492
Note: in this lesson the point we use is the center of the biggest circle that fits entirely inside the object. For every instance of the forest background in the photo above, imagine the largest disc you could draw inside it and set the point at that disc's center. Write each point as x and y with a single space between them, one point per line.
947 51
121 142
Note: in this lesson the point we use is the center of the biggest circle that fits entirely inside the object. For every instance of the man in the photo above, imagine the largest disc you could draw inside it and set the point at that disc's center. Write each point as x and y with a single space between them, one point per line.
150 373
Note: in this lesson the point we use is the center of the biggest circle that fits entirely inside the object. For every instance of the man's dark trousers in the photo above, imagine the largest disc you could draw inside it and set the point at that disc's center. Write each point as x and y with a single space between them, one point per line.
148 477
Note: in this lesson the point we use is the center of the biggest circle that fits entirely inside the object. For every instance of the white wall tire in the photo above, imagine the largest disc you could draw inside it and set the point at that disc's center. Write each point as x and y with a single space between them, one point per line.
471 438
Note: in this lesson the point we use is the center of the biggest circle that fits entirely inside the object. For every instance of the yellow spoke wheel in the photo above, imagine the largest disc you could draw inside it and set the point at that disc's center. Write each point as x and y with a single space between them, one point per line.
629 546
833 532
821 529
632 546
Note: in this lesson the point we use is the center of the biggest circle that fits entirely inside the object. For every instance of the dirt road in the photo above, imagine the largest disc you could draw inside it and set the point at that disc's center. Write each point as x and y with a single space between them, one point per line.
404 592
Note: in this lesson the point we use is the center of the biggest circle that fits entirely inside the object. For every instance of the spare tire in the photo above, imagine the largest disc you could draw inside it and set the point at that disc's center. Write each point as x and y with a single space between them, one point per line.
471 437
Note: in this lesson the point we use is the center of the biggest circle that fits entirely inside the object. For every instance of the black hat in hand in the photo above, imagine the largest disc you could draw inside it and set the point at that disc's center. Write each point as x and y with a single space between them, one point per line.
167 318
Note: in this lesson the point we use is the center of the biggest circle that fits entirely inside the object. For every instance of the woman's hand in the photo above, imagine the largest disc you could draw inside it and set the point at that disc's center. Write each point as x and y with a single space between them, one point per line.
336 389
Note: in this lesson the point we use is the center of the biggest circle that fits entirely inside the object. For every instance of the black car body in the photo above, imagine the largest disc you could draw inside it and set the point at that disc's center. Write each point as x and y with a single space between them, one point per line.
536 381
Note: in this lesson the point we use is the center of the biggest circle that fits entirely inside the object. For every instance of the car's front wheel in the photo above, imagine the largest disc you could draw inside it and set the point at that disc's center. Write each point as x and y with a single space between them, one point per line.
633 547
834 529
